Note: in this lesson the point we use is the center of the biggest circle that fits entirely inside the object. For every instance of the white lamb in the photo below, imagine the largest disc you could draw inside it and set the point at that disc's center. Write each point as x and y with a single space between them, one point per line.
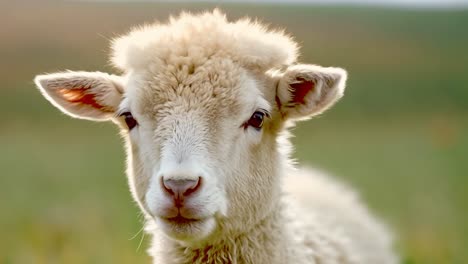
204 105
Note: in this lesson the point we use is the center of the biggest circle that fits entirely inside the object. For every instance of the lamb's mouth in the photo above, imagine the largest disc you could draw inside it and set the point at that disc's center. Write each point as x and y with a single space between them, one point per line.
187 229
179 219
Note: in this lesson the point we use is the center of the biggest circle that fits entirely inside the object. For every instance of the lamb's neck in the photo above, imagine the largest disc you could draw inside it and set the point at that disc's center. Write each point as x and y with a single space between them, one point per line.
264 242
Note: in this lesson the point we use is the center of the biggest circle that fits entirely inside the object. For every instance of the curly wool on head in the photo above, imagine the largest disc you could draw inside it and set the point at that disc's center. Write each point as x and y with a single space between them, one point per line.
200 37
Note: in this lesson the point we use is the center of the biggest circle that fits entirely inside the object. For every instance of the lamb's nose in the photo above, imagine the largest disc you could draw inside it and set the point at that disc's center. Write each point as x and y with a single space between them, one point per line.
180 189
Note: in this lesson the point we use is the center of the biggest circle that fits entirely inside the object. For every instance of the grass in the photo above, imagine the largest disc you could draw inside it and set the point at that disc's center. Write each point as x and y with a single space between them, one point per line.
400 135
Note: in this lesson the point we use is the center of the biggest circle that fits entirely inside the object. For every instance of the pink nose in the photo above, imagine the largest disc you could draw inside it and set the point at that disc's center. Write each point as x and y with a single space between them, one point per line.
180 189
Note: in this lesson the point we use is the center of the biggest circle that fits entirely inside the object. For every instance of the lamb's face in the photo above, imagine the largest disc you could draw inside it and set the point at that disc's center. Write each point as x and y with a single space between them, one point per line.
200 107
201 145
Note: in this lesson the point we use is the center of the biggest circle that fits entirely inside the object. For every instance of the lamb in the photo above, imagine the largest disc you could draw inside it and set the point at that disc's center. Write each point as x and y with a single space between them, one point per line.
204 105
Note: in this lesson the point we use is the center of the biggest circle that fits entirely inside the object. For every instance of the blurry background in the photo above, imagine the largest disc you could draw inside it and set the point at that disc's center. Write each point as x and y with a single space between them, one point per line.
400 135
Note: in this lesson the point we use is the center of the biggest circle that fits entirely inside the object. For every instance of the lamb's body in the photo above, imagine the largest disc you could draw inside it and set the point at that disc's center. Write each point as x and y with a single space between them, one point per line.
317 221
203 106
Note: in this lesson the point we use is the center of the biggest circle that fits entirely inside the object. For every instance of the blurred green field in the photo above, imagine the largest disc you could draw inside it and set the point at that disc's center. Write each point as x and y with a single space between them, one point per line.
400 135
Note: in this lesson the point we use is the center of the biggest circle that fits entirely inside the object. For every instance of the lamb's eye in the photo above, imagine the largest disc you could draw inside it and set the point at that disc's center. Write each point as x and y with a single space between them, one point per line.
129 120
256 120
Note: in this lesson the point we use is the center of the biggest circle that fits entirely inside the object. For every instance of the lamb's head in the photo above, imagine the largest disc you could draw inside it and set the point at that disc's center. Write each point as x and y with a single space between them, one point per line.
201 105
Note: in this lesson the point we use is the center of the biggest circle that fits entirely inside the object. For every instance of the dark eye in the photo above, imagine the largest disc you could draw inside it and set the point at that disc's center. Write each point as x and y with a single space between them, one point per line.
256 120
129 120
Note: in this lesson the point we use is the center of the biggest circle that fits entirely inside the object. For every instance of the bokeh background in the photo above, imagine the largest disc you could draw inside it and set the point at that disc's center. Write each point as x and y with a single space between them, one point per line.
400 135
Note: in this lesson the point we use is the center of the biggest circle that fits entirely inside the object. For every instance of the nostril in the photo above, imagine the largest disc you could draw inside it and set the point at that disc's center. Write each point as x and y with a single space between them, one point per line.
167 187
194 187
178 188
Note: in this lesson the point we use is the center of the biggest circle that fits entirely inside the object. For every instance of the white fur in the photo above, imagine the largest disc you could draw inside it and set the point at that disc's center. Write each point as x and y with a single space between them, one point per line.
192 84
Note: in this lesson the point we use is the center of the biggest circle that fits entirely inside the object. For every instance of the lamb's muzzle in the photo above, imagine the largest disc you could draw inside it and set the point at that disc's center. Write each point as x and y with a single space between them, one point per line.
180 190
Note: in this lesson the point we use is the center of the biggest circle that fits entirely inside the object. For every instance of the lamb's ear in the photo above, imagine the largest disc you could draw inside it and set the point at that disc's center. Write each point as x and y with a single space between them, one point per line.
308 90
87 95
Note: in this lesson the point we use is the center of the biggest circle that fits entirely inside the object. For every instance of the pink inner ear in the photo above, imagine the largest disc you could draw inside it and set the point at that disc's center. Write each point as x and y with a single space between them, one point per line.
300 90
80 96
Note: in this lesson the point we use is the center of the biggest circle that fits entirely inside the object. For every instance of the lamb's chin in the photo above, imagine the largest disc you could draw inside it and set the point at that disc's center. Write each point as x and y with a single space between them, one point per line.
187 230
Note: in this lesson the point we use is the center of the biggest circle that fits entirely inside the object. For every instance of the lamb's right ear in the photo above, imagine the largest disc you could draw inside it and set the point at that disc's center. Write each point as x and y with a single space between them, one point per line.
86 95
306 90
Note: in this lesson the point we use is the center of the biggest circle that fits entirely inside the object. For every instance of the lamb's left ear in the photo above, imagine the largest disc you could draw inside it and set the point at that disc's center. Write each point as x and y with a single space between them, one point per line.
308 90
86 95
